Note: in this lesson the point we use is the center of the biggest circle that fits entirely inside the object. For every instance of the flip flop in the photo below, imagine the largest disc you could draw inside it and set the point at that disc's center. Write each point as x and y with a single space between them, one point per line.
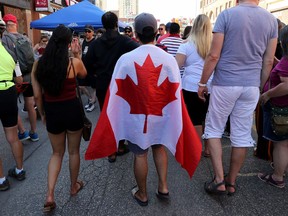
81 184
140 202
161 195
204 154
122 152
112 158
49 206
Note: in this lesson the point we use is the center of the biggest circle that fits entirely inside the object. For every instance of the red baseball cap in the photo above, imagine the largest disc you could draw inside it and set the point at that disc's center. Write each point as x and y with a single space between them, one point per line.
10 17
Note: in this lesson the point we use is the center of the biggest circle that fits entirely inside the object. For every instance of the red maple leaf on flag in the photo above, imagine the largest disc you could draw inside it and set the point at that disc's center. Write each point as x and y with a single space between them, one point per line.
147 97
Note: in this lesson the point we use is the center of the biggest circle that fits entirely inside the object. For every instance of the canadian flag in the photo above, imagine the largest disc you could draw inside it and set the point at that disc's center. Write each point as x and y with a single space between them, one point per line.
144 105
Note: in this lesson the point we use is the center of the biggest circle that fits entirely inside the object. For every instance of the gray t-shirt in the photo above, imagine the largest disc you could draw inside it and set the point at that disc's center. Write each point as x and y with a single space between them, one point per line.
247 30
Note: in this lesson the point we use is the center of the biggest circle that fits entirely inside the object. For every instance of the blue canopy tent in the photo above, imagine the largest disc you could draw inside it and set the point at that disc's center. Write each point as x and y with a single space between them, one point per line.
75 16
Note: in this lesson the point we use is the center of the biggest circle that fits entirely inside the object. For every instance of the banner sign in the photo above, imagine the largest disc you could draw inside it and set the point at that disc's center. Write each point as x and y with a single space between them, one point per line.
41 5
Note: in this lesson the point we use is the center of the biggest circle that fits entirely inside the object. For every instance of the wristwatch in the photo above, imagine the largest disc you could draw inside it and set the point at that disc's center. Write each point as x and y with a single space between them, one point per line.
202 84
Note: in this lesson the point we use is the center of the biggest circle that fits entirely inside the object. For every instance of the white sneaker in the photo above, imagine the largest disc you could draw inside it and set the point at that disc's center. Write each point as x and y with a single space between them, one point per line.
90 108
88 104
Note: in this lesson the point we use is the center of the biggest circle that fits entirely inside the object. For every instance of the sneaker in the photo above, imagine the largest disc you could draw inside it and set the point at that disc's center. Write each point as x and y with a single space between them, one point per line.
88 104
23 136
33 136
20 176
226 134
24 110
90 108
5 185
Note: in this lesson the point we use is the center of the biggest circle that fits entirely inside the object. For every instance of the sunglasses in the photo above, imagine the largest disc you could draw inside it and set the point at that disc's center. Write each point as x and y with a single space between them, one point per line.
127 31
160 29
44 41
89 31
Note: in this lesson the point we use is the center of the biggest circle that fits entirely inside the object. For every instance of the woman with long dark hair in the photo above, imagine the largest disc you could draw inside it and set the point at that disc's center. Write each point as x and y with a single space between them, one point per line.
54 84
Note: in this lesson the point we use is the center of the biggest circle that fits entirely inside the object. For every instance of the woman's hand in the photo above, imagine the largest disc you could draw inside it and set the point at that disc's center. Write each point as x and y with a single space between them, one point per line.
75 47
264 98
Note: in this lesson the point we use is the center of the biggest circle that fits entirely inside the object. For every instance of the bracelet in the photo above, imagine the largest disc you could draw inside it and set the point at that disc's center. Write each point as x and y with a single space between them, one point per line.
202 84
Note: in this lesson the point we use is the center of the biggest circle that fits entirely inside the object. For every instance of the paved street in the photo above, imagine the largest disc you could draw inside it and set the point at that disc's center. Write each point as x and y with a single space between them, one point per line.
107 186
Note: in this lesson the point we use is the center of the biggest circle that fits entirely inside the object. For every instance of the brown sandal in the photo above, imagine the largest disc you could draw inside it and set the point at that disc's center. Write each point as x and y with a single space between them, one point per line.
49 206
81 185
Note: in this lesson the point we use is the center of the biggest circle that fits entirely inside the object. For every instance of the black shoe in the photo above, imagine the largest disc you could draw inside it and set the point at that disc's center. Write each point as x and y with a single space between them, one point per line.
5 185
20 176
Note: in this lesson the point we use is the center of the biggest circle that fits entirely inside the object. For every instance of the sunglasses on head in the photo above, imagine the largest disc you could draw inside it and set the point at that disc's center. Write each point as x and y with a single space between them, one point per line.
160 29
89 31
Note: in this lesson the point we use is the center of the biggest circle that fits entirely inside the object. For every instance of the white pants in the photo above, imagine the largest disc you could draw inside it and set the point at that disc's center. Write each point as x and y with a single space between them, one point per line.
237 101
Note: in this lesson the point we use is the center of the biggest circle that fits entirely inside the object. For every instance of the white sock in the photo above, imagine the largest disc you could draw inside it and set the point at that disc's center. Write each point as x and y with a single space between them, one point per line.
18 170
2 180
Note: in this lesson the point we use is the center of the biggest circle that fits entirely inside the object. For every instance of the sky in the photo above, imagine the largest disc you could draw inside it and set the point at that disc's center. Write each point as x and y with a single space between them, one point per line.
163 9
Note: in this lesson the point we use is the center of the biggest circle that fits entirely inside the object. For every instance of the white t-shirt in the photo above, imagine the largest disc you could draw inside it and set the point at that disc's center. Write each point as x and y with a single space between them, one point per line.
193 67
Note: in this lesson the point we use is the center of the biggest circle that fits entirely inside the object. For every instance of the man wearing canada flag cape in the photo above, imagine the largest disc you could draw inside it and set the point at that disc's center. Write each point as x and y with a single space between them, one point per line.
144 105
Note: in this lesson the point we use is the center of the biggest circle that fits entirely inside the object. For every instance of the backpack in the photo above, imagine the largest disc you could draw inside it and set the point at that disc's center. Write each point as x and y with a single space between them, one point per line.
24 52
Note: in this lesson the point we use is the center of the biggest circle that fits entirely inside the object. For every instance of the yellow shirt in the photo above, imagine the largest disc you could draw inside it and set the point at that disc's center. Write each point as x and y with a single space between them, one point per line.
7 66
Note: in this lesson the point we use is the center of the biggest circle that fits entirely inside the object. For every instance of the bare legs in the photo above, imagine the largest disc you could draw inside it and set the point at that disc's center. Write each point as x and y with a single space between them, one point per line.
58 143
215 148
29 104
161 163
280 159
199 130
16 145
1 169
74 139
54 166
141 171
237 158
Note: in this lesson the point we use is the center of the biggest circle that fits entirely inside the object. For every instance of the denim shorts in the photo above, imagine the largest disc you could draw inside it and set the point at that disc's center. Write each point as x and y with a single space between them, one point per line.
135 149
267 128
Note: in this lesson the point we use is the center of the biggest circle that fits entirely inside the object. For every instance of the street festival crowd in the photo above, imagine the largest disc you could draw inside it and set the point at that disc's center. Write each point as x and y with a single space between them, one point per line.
229 71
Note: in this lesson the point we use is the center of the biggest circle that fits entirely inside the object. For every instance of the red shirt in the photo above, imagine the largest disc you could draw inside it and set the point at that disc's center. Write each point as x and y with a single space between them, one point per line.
67 93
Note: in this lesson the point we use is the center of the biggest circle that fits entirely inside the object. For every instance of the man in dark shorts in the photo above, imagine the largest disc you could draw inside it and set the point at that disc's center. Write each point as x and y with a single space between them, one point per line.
8 115
11 29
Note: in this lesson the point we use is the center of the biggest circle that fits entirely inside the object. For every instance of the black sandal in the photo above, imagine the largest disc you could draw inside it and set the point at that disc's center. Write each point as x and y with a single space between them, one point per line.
112 158
211 187
227 184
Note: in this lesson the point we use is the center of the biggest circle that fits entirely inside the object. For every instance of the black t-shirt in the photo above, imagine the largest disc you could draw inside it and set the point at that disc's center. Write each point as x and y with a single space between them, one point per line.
85 47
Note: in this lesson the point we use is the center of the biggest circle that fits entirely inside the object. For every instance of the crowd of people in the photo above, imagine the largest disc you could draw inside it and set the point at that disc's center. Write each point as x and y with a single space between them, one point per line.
223 72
